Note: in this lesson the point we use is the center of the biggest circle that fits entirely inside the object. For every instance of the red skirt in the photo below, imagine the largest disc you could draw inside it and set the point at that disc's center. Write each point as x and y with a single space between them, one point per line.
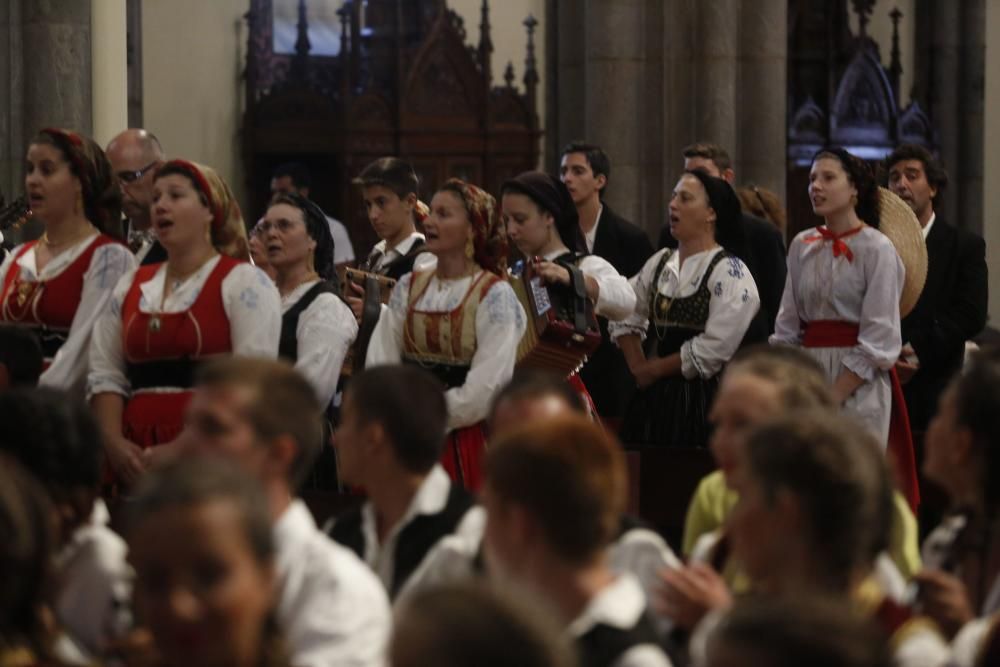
153 418
464 454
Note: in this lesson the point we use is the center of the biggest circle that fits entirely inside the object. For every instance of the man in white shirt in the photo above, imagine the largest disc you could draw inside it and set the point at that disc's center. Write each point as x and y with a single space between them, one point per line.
135 155
265 416
554 495
295 177
389 442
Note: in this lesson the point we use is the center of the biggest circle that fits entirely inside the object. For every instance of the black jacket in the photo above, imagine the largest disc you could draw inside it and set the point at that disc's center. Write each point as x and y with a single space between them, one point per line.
606 375
951 310
766 257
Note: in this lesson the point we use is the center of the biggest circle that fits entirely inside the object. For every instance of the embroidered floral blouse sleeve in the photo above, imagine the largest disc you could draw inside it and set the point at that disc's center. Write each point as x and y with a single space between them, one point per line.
325 331
642 284
107 358
616 298
500 323
69 367
879 336
733 305
386 344
253 306
788 325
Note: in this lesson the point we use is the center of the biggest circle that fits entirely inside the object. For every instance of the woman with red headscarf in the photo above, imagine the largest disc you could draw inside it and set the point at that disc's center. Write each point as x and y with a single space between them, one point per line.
458 318
58 285
205 301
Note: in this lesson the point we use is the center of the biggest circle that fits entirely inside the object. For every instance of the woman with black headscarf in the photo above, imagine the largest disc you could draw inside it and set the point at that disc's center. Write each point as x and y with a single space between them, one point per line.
700 299
542 222
317 327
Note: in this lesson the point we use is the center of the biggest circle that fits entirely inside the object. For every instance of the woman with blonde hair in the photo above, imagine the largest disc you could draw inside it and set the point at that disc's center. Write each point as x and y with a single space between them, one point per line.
165 319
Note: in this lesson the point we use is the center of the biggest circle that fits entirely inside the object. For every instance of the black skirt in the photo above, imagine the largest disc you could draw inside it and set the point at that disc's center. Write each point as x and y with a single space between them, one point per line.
671 412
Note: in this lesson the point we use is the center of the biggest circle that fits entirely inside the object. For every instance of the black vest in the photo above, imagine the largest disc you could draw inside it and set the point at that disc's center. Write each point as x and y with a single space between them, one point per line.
288 347
414 541
603 645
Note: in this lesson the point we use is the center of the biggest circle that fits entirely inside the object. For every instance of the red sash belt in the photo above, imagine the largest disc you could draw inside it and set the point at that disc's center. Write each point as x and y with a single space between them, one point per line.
833 333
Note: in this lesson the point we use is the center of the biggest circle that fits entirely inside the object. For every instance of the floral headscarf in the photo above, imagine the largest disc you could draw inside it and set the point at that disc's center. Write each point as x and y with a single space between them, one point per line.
229 234
489 239
102 198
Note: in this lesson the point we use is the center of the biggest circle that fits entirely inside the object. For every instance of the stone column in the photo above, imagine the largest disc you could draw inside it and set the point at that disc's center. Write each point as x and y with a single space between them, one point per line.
991 137
716 50
613 75
565 118
969 103
762 103
110 85
945 90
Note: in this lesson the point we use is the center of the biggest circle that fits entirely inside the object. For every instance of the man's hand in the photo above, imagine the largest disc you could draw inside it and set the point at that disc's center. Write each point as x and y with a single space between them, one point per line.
943 597
689 593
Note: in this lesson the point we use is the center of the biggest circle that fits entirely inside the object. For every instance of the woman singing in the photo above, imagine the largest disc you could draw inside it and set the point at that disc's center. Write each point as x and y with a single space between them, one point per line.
165 319
458 318
60 284
701 300
317 327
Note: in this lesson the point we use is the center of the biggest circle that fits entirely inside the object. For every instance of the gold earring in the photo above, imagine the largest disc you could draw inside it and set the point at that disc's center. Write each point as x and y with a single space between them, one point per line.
470 249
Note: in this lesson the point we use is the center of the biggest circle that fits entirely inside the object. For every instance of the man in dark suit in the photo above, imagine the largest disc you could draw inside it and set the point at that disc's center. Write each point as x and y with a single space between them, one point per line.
763 253
952 307
135 155
585 170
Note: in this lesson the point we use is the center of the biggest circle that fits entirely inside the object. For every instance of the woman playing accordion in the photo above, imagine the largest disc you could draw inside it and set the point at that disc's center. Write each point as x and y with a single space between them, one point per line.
542 222
457 317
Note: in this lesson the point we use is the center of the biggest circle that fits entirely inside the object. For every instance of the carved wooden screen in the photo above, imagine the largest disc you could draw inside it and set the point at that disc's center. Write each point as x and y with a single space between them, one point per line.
404 83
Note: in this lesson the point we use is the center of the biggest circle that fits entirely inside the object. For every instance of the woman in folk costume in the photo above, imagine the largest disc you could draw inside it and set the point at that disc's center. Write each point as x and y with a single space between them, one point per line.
701 299
458 318
60 284
206 300
317 327
842 301
541 220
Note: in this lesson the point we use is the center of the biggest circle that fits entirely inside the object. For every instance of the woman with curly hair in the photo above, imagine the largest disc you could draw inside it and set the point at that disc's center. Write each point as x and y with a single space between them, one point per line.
59 284
165 319
458 318
841 300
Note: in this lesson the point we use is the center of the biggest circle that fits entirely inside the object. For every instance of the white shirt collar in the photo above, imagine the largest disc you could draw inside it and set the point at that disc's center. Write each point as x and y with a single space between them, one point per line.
399 249
295 525
431 498
930 223
57 264
182 296
591 236
619 605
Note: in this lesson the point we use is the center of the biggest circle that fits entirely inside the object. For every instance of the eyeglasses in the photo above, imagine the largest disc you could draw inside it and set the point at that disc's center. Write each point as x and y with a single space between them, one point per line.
128 177
263 227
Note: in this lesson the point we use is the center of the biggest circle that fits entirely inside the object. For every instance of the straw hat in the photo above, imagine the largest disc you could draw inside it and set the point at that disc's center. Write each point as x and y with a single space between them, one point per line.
898 222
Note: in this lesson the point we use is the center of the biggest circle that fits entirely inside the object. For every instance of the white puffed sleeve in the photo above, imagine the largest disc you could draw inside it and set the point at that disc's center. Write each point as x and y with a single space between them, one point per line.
642 285
879 335
500 323
325 331
386 344
107 358
69 367
733 305
253 306
615 298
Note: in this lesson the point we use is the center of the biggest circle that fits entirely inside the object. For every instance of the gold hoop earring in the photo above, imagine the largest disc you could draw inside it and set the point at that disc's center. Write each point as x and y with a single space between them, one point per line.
470 249
79 208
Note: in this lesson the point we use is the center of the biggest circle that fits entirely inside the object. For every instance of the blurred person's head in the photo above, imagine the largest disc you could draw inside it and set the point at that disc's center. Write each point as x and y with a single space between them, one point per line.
393 422
760 383
261 414
56 438
291 177
21 357
533 395
554 495
815 503
475 626
199 536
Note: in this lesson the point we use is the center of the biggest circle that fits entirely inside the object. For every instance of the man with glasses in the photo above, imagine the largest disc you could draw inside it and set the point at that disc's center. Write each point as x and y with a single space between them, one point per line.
135 155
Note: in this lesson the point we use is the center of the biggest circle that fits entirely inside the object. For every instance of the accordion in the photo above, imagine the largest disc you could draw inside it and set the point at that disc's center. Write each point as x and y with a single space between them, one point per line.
377 288
562 330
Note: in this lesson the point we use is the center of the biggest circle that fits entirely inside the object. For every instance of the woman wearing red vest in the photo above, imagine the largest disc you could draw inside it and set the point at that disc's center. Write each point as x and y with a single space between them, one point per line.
59 284
206 300
458 318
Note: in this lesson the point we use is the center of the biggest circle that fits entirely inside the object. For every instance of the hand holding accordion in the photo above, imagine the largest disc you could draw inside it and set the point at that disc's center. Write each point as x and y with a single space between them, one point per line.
562 330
